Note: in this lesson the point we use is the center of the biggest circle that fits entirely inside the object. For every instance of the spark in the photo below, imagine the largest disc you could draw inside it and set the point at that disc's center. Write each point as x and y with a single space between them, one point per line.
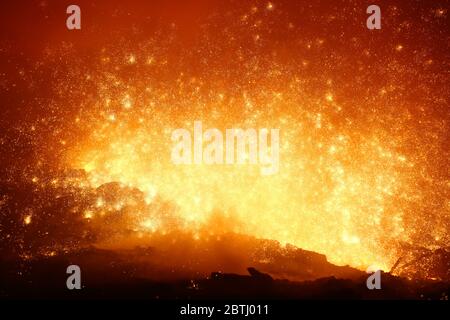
27 220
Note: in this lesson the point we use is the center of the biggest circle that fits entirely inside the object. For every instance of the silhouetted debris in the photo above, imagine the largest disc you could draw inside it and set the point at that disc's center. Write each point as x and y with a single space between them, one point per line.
259 275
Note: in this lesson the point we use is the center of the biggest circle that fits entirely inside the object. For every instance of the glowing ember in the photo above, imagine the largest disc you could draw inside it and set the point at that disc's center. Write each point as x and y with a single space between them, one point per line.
27 220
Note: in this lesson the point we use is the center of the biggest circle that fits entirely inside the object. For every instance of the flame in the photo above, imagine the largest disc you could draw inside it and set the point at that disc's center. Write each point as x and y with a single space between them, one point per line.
357 172
329 196
335 191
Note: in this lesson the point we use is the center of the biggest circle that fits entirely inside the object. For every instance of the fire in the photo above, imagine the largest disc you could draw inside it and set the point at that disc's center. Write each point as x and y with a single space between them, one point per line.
363 167
335 191
315 202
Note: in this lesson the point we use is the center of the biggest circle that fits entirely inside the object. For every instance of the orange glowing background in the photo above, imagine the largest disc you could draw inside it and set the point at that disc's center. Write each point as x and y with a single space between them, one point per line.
363 118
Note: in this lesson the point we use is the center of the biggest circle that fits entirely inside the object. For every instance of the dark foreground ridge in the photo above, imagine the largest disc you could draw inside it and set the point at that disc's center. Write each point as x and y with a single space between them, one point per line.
116 275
